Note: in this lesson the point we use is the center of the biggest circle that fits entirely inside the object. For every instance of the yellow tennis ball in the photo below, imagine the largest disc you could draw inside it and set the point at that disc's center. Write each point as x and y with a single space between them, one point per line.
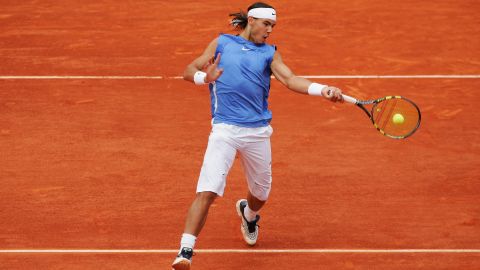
398 119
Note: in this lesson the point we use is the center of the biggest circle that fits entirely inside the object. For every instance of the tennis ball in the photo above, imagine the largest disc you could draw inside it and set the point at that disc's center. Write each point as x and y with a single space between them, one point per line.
398 119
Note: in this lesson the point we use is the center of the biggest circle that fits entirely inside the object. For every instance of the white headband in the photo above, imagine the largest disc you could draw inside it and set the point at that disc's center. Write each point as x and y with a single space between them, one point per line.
263 13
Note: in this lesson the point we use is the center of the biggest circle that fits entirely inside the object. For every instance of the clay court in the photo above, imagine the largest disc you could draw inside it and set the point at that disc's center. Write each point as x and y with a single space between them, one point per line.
102 142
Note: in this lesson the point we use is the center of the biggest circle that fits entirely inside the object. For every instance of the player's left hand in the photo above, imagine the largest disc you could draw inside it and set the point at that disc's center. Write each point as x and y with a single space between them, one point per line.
332 93
212 70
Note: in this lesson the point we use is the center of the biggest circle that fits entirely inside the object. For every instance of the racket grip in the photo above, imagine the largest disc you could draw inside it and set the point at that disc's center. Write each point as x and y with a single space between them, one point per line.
349 99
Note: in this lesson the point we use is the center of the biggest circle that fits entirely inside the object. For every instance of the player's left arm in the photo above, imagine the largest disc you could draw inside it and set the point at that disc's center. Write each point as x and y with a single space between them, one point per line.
298 84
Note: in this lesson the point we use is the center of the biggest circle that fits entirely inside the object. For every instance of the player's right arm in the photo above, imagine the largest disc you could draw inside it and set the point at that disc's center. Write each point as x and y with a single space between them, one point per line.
205 63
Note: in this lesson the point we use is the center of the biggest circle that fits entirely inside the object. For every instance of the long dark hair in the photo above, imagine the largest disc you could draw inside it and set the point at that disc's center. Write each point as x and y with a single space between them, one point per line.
240 19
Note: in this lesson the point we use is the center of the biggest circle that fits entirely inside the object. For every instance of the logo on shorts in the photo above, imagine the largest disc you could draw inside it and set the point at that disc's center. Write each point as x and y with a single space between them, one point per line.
245 49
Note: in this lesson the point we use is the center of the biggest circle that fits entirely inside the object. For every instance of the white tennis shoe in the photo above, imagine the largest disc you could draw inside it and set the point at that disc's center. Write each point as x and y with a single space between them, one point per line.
183 259
249 229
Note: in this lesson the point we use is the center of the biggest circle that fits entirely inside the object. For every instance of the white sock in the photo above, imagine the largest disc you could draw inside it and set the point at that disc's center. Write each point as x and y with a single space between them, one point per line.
250 215
188 240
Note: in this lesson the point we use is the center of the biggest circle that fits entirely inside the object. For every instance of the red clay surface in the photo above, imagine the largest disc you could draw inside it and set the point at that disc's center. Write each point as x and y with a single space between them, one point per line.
244 262
113 163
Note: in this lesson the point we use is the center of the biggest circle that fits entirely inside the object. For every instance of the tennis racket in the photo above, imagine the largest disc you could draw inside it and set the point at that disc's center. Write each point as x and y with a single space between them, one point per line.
394 116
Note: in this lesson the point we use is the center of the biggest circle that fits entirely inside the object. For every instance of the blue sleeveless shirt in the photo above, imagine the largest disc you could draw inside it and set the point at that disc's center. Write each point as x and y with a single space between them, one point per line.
240 95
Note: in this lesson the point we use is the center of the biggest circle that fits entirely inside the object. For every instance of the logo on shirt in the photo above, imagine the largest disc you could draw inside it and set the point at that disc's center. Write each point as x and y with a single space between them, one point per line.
245 49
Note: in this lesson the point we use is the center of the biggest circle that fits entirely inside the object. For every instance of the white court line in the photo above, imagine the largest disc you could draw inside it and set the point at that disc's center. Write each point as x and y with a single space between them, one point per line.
180 77
81 77
321 251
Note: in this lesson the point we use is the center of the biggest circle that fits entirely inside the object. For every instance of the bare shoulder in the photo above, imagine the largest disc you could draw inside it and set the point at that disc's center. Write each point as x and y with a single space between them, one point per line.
277 56
214 41
280 70
277 59
212 46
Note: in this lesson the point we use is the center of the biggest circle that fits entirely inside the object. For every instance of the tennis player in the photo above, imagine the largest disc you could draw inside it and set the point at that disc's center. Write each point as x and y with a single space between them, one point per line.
239 83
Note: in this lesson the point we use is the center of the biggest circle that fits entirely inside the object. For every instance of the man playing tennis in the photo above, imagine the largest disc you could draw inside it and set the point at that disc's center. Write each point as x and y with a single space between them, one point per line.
239 82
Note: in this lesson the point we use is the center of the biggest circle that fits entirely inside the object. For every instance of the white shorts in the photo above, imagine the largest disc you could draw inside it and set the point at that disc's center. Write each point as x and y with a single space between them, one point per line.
255 152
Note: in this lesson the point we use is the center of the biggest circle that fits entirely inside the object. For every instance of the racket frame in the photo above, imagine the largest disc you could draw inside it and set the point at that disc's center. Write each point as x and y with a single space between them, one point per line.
361 103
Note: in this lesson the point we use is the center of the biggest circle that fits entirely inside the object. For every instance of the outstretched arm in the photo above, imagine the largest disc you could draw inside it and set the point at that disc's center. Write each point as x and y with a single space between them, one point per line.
299 84
204 69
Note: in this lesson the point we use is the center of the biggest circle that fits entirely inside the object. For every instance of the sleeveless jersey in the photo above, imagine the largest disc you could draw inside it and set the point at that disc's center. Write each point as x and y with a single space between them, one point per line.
240 95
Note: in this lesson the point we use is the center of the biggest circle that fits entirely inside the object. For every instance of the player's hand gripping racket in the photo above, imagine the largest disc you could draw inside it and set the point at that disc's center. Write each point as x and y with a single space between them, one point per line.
394 116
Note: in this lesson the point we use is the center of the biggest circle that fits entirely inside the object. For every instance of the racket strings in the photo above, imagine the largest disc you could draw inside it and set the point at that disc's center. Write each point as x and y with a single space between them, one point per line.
389 112
380 110
384 113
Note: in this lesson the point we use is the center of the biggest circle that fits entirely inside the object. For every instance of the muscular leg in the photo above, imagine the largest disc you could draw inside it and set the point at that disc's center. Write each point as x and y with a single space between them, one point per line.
197 215
219 158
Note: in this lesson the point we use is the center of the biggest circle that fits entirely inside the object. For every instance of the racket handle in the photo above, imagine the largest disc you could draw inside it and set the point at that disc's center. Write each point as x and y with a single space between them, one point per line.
349 99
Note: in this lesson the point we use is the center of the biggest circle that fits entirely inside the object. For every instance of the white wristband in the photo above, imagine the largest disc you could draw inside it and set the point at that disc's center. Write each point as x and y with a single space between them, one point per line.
315 89
199 77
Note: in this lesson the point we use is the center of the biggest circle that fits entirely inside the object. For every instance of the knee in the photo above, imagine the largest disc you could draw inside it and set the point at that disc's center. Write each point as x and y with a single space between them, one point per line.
206 197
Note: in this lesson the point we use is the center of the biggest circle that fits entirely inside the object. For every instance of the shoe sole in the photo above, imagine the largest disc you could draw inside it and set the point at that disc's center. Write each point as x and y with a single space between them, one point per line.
181 265
239 212
238 207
